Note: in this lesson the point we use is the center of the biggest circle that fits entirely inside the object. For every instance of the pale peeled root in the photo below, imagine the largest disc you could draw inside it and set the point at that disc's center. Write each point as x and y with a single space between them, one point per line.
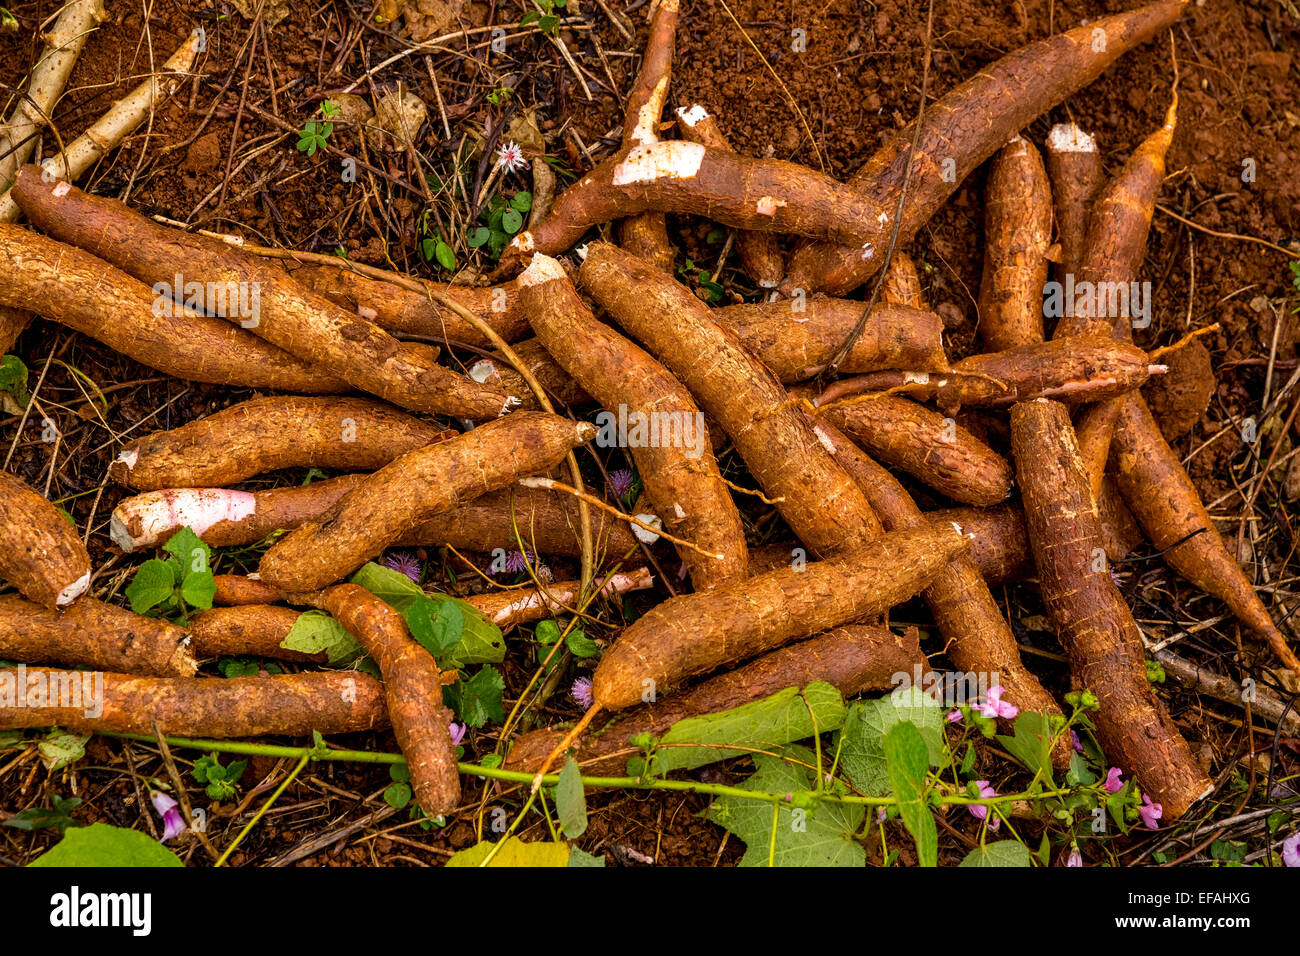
1163 499
818 500
41 553
78 290
63 44
528 605
114 126
1074 168
272 305
1017 234
855 659
1006 96
415 487
412 691
977 638
93 634
759 252
1089 614
295 705
768 195
697 633
547 522
1083 369
931 448
266 434
673 457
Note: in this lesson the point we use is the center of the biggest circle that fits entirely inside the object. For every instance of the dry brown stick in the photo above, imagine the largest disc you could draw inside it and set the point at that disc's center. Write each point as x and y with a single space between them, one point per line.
1089 614
41 553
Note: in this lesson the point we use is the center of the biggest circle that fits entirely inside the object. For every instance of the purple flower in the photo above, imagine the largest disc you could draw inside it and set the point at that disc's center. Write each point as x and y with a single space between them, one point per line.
955 717
1075 858
881 814
457 732
995 706
165 806
620 482
1113 782
406 563
1150 812
1078 744
981 812
1291 850
517 561
511 156
581 692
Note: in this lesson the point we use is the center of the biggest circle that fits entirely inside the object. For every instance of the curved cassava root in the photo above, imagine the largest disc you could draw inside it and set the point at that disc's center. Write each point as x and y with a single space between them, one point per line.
414 487
247 630
963 129
267 434
697 633
40 552
328 702
854 659
412 691
257 294
94 634
73 288
822 505
1089 614
674 459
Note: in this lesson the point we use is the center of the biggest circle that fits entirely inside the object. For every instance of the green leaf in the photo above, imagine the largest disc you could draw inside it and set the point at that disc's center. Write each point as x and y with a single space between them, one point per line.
522 201
1032 743
532 16
766 724
862 752
102 845
514 852
199 589
819 836
477 700
436 625
580 645
60 749
58 817
580 857
316 632
13 379
547 632
399 772
1002 853
153 583
188 548
512 221
907 761
392 587
446 258
571 801
478 236
397 795
238 667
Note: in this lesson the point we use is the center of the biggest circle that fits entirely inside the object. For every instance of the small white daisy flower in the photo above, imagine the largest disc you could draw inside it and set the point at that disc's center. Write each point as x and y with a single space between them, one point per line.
511 156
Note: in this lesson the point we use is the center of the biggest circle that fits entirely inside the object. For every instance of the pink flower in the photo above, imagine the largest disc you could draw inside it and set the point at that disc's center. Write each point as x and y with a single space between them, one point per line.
1113 782
981 812
954 717
1150 812
404 562
881 814
511 156
1291 850
1078 744
1075 858
457 732
995 706
581 692
165 806
620 482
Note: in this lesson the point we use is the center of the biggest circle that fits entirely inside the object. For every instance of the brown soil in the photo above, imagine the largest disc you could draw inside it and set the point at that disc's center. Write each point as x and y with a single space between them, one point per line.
217 157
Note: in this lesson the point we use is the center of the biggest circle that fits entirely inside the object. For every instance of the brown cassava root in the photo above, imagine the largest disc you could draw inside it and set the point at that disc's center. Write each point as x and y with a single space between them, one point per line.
40 552
1074 168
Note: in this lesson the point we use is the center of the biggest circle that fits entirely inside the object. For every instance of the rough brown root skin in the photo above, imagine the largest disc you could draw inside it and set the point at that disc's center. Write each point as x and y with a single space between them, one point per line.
855 659
330 702
999 543
929 447
797 338
759 252
967 126
266 434
768 195
412 690
1180 397
93 634
1074 168
1017 234
400 310
1164 501
236 589
13 322
902 283
287 314
818 500
697 633
1089 614
675 462
558 384
1119 529
76 289
977 637
40 552
253 630
1094 426
415 487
